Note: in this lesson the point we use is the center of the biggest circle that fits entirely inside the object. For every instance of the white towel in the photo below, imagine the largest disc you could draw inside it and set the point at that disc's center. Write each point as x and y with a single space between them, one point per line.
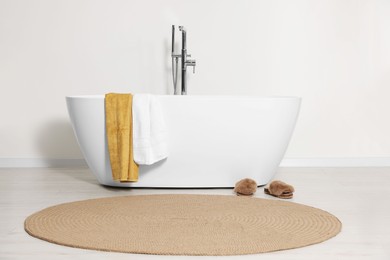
149 130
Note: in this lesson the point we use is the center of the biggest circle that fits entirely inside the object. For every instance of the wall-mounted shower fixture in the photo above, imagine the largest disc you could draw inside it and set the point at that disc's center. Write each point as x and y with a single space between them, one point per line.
184 61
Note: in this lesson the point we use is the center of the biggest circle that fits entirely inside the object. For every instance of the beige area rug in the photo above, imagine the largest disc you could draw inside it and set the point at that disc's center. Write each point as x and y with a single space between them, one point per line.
183 225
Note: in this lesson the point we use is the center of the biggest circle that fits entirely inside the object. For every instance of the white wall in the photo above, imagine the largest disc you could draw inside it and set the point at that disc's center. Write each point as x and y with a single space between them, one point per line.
335 54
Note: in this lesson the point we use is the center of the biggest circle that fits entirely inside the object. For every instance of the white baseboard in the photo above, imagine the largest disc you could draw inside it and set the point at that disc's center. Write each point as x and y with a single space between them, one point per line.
41 163
337 162
286 162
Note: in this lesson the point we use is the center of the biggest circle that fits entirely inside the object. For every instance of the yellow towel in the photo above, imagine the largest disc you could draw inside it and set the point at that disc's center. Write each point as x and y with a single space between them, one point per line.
119 128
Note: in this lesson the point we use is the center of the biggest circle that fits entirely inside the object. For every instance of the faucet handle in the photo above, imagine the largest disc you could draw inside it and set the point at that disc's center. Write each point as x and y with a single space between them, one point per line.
192 63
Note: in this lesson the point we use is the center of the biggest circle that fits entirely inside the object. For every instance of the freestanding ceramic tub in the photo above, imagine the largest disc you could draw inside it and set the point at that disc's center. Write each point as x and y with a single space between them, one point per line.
214 141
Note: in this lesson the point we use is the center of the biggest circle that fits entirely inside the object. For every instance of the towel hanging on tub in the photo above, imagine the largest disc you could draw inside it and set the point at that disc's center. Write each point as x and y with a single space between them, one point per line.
119 129
149 130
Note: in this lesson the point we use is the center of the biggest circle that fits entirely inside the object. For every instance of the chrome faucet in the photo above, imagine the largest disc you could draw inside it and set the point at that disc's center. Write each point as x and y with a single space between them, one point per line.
184 61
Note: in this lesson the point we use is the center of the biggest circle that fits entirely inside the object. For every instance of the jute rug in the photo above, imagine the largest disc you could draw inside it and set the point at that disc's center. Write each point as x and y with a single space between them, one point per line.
183 225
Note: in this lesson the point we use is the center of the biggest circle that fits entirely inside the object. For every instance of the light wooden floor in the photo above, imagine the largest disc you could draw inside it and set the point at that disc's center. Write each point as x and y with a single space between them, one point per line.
357 196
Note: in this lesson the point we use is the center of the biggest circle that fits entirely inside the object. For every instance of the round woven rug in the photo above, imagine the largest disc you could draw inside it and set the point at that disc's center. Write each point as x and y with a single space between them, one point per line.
183 224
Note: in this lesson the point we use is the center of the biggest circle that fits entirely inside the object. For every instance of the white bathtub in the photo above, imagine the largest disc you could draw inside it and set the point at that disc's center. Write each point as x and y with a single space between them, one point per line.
214 141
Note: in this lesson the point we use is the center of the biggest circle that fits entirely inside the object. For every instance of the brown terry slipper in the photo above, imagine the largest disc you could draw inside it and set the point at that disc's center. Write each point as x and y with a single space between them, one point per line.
280 189
245 187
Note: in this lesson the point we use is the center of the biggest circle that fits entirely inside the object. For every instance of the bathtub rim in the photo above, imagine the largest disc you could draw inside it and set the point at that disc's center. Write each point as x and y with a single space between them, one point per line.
97 96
